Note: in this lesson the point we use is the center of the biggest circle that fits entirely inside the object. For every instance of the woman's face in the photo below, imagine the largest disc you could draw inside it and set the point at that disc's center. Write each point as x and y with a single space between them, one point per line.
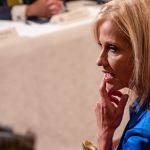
115 58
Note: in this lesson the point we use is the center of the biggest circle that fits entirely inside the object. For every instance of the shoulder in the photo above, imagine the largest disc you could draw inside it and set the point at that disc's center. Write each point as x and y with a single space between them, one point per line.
144 121
138 136
141 124
136 139
139 118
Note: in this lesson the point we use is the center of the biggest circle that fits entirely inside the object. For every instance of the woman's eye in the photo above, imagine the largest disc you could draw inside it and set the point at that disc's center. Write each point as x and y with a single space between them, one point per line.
113 49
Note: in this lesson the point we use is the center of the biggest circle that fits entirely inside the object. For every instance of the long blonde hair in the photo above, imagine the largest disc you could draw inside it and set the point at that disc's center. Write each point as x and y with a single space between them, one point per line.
133 18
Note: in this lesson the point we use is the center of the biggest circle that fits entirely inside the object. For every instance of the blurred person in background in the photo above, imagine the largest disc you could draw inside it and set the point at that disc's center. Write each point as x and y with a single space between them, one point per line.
9 140
20 10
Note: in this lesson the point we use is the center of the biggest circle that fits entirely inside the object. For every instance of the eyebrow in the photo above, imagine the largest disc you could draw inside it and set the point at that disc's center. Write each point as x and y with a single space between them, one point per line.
109 42
112 43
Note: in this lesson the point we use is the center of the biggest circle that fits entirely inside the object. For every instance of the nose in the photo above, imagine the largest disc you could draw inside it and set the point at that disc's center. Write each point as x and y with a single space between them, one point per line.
102 60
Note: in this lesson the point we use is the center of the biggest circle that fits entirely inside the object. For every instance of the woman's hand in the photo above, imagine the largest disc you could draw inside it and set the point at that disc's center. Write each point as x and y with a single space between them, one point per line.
109 112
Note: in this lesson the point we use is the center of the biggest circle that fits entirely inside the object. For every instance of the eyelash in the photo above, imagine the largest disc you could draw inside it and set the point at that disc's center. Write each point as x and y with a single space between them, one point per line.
110 47
113 49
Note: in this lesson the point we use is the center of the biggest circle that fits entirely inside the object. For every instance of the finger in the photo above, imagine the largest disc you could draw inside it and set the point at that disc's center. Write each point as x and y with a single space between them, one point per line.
114 100
115 93
102 89
122 103
50 12
98 114
55 12
53 7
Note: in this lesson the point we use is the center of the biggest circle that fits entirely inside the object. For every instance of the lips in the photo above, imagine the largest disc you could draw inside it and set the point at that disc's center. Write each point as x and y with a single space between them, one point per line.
108 76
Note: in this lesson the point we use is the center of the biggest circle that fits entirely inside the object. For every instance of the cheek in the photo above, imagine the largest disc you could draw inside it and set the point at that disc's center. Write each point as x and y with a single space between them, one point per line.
125 72
115 63
121 67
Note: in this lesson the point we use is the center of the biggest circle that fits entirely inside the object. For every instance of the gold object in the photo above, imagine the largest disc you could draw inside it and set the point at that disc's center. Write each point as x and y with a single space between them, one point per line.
12 3
87 145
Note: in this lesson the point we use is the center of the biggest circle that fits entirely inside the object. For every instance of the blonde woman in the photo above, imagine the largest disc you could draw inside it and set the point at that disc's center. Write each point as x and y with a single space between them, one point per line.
123 34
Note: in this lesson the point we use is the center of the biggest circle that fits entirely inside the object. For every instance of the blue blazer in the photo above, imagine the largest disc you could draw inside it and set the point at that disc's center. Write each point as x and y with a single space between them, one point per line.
137 132
5 13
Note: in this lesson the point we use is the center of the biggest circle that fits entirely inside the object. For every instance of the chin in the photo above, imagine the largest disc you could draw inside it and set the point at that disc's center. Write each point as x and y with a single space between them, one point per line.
113 87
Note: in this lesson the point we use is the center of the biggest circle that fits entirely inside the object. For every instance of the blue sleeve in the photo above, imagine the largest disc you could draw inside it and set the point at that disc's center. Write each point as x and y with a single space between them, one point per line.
136 141
5 13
